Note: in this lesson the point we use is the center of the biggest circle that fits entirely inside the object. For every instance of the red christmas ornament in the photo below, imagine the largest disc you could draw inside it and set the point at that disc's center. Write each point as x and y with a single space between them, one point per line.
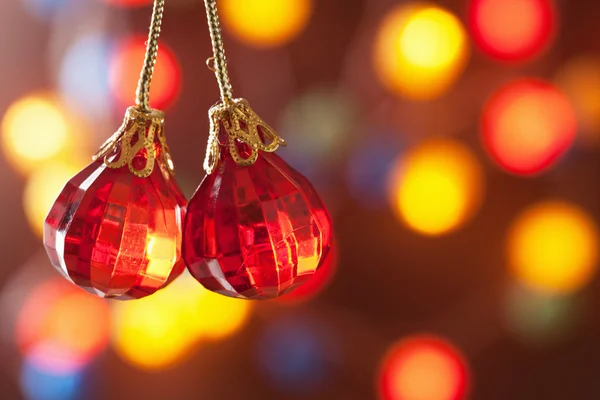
255 228
115 229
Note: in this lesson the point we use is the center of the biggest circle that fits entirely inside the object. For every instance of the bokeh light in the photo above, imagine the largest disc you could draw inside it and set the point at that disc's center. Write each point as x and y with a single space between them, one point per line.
42 190
128 3
84 75
125 67
527 126
420 51
423 368
579 79
265 23
539 318
36 130
314 125
436 187
159 331
46 9
220 316
368 166
153 333
39 383
317 125
61 328
512 30
319 281
294 353
553 247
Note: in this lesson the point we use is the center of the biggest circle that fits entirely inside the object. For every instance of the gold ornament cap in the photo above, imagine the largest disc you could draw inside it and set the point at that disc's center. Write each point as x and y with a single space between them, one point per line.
242 125
141 130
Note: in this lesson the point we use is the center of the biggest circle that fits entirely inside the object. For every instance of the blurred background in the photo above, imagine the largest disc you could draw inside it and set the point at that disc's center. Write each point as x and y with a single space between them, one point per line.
455 142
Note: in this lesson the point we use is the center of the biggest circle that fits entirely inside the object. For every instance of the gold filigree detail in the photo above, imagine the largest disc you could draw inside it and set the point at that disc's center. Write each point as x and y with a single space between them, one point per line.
241 124
138 132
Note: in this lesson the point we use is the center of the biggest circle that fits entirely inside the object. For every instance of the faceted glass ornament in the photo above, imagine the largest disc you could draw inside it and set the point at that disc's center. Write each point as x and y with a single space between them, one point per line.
117 235
255 232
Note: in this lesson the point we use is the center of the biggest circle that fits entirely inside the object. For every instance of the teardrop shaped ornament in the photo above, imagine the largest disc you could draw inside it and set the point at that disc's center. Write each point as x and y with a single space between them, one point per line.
115 229
253 230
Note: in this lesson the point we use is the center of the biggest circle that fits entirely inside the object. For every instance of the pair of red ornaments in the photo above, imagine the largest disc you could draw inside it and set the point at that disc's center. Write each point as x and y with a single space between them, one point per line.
254 229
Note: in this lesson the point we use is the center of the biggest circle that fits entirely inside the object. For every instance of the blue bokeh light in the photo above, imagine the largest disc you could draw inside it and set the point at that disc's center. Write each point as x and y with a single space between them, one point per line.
295 355
368 169
46 9
84 75
37 383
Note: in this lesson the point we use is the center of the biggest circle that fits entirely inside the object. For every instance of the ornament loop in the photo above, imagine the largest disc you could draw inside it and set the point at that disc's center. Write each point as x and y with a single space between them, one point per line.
246 132
210 64
134 144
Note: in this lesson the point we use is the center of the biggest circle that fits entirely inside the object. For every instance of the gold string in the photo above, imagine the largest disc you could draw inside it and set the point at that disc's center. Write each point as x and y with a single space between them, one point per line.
219 60
143 89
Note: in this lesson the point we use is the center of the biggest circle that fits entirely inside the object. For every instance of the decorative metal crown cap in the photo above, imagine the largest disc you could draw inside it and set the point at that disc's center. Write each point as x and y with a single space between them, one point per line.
241 124
139 131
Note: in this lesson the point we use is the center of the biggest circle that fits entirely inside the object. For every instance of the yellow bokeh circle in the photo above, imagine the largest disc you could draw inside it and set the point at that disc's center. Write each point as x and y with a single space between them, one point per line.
553 247
159 331
152 333
436 187
265 23
420 51
36 129
42 189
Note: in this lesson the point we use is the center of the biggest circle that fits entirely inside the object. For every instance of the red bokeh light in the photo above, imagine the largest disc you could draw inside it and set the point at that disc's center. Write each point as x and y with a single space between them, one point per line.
423 368
528 125
61 327
512 30
319 281
125 67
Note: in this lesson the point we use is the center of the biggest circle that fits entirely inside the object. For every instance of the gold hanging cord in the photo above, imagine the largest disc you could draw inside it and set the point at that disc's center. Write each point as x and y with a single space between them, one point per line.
219 60
143 89
141 124
240 122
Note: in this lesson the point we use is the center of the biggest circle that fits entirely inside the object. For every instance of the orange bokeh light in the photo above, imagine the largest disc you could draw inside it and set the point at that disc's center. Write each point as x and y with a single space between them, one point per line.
423 368
528 125
512 30
60 324
125 67
579 79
